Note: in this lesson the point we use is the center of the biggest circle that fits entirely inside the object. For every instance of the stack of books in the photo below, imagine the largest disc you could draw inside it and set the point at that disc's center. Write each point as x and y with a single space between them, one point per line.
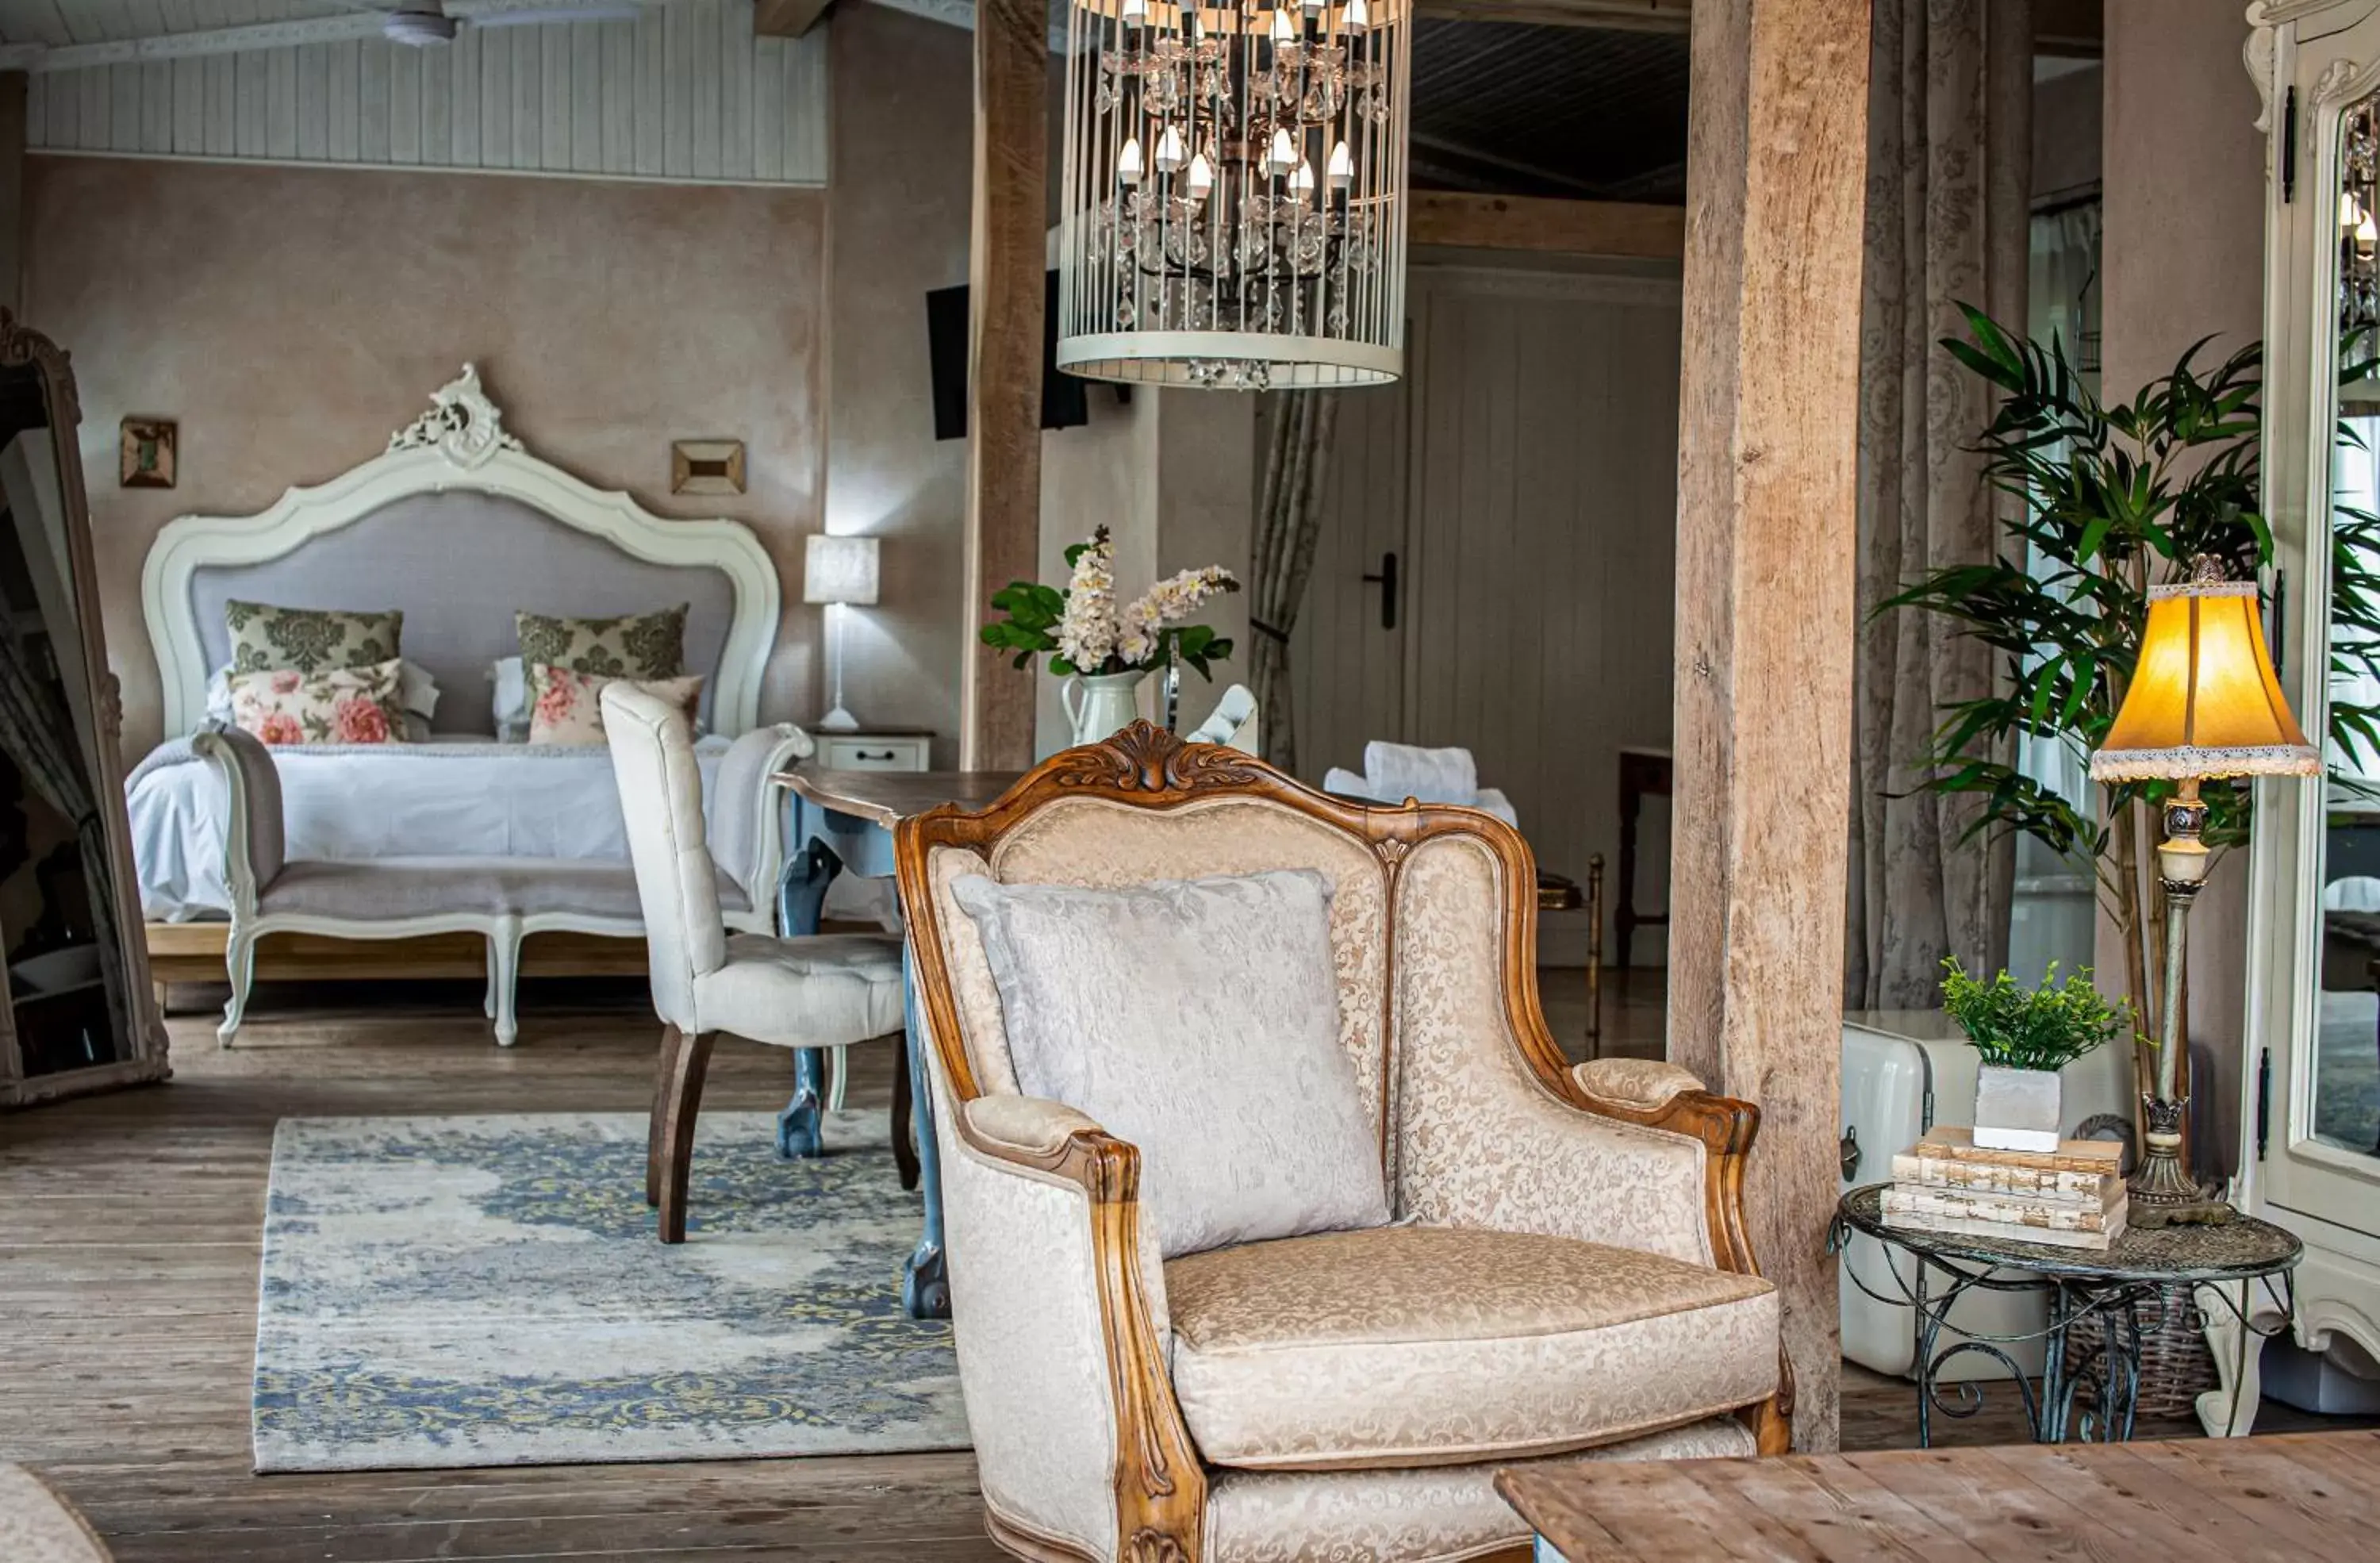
2071 1197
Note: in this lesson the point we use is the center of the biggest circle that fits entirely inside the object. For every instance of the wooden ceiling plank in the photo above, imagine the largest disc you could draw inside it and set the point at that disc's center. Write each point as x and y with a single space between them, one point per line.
1612 16
1564 227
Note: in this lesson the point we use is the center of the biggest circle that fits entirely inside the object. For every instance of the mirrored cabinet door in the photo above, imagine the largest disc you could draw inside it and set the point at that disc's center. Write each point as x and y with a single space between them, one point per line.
79 1013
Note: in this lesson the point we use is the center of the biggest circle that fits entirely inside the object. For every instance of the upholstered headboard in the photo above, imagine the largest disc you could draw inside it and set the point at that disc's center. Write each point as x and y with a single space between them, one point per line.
459 526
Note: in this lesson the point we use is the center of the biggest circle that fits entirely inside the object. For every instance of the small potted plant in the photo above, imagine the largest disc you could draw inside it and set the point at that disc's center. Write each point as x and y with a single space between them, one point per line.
2025 1036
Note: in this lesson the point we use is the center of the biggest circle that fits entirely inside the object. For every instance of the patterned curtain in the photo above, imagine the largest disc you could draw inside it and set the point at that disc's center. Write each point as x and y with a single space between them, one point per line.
1296 460
1949 149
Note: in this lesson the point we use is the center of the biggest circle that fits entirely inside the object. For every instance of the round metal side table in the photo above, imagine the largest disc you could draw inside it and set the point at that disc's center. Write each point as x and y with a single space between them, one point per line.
2110 1285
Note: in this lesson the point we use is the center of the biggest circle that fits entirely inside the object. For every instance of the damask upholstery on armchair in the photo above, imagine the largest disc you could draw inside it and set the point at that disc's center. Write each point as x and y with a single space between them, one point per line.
1566 1278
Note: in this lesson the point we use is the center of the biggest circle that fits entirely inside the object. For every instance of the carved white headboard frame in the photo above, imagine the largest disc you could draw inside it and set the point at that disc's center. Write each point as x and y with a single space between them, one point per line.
460 443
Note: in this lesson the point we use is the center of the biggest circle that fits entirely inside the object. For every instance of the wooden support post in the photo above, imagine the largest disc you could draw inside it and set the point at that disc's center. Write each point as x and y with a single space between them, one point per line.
1776 169
1003 537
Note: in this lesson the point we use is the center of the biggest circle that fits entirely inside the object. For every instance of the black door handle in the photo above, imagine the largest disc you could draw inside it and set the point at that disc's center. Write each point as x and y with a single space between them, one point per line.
1387 582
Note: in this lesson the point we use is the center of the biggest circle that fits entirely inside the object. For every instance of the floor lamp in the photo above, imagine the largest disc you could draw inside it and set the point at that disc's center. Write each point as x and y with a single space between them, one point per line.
841 573
2203 703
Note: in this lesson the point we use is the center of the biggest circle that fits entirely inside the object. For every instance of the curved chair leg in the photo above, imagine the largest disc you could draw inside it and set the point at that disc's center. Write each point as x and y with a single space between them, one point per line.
686 1070
239 963
801 1127
503 972
664 1079
838 1077
904 1148
488 1002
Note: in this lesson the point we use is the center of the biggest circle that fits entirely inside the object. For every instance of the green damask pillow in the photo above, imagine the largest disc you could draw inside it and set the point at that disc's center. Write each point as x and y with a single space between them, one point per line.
310 640
632 646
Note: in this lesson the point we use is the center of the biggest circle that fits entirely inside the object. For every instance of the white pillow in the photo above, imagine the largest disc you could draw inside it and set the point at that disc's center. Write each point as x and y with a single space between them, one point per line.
417 696
1197 1019
511 699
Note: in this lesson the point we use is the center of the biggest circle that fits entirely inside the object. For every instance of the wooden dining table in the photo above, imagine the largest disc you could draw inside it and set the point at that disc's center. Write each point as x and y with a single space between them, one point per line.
841 822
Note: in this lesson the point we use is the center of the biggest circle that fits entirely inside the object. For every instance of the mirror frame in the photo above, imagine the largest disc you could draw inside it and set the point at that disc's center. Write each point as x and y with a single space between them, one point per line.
146 1060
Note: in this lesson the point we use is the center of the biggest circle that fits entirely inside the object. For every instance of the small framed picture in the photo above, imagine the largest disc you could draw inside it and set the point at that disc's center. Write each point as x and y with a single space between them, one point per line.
707 467
148 455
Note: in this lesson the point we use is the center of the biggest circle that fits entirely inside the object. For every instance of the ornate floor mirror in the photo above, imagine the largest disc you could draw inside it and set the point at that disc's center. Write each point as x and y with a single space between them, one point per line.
77 1013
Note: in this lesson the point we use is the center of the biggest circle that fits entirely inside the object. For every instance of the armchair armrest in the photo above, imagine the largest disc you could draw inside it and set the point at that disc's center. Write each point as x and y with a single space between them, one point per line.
1062 1342
1662 1095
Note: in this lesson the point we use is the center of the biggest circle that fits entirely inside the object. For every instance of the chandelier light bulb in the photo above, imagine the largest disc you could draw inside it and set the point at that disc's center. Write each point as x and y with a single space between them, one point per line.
1128 163
1283 155
1170 151
1136 12
2347 210
1282 32
2367 235
1301 181
1356 17
1202 177
1343 168
1311 5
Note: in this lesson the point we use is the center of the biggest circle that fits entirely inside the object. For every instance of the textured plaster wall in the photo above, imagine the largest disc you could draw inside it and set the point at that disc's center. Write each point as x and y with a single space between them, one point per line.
904 134
290 318
2182 257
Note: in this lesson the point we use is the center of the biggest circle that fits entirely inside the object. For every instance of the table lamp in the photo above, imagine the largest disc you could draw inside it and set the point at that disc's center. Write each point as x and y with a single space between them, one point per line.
2203 703
839 572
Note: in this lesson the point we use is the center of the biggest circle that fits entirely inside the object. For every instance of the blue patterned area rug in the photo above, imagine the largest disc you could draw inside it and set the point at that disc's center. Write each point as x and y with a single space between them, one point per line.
464 1291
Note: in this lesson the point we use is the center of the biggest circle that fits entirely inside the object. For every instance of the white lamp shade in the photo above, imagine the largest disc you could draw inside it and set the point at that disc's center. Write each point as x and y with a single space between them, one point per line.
840 569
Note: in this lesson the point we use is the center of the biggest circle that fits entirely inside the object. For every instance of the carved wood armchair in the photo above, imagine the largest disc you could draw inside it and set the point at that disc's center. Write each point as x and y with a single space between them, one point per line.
1568 1277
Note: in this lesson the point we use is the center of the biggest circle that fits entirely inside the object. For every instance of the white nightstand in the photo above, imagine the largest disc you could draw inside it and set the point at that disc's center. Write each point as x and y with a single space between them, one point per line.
899 748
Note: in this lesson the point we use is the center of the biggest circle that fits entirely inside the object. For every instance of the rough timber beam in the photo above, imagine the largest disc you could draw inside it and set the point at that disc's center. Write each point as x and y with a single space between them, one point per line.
1566 227
787 19
1777 162
1003 535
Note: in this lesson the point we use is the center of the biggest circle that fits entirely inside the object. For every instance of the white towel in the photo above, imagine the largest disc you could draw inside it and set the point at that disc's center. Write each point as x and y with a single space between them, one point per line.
1347 784
1399 771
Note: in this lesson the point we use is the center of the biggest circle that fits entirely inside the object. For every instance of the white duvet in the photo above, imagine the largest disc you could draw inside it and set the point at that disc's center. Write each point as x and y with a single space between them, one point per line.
462 797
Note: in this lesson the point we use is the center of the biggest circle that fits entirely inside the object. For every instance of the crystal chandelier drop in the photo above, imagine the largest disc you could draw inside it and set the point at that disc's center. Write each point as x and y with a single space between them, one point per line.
1234 178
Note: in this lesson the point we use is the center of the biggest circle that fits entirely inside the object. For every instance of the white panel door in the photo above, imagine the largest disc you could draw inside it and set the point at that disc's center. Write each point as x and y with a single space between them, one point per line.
1526 481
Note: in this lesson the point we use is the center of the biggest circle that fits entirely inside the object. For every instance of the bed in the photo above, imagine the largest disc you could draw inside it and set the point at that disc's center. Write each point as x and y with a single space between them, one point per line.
458 524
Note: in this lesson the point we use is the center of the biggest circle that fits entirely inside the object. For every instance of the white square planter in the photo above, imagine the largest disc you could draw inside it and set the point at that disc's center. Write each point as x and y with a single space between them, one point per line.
2016 1109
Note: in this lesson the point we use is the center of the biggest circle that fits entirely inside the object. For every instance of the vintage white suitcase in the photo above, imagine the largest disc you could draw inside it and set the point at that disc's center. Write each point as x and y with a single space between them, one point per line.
1904 1071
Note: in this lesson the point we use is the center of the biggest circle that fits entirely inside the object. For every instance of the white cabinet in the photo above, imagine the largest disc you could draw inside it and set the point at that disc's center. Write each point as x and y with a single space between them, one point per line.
2311 1110
875 751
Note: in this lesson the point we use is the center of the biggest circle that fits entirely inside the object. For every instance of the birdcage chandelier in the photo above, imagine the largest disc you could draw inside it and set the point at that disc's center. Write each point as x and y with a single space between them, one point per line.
1234 181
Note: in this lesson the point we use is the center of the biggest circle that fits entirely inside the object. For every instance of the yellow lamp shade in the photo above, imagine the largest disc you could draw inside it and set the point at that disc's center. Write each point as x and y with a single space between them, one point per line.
2204 700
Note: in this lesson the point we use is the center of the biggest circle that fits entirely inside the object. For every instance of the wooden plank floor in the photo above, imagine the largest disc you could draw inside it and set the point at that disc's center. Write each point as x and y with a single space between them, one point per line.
128 1246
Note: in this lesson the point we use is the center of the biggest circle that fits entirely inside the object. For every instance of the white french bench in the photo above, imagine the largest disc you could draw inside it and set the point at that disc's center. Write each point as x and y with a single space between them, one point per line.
504 899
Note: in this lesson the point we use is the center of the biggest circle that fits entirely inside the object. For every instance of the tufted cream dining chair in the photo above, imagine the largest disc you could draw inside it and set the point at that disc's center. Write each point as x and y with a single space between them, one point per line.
1568 1277
827 990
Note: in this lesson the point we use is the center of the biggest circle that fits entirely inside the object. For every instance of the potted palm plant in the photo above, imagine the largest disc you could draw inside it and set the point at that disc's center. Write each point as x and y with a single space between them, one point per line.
2107 500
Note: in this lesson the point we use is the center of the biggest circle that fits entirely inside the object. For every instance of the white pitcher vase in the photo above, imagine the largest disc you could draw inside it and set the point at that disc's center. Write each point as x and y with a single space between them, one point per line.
1102 703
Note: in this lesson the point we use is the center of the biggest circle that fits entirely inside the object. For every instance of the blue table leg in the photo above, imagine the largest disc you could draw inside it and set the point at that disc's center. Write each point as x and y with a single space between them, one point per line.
924 1282
801 896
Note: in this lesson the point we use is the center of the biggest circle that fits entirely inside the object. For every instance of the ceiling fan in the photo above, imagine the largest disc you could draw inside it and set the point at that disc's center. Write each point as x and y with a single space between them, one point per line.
430 24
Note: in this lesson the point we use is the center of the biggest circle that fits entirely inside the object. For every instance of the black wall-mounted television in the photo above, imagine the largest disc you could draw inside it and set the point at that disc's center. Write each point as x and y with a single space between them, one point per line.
1064 401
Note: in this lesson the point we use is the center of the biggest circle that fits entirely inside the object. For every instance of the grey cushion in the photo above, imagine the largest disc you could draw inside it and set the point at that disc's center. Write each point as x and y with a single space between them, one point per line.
1199 1020
390 889
828 990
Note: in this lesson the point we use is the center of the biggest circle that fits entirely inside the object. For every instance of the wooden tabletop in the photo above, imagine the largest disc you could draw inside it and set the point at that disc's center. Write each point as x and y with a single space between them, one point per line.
887 797
2296 1496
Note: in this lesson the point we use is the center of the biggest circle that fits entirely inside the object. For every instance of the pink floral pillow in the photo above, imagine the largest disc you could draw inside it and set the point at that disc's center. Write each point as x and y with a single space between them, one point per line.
336 706
566 706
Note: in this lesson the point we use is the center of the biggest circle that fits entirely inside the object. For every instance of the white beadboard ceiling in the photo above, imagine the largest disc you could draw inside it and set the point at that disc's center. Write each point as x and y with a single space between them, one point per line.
683 92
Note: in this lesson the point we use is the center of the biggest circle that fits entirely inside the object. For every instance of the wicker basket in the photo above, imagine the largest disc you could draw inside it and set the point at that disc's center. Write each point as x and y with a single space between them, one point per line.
2175 1366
